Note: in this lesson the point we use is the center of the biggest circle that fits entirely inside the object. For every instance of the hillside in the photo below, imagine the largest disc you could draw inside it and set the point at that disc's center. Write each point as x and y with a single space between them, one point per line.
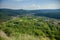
29 24
7 13
30 28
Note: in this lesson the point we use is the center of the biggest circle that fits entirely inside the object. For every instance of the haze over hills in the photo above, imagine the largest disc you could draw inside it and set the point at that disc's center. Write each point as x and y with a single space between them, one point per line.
52 13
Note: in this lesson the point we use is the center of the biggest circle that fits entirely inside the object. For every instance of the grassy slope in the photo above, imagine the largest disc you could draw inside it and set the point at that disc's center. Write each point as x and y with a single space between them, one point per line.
30 28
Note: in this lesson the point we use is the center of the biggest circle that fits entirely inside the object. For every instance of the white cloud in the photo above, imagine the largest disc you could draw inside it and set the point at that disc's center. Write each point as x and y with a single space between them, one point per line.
50 6
35 6
31 6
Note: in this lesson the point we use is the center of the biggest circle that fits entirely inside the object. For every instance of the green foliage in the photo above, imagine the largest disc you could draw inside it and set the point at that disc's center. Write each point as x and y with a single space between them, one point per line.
1 38
32 26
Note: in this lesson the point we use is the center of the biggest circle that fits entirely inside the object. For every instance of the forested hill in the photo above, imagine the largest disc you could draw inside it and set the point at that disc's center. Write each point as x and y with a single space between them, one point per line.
29 24
52 13
30 28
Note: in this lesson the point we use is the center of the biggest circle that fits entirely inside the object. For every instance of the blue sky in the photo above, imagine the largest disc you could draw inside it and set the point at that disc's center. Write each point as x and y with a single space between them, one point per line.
30 4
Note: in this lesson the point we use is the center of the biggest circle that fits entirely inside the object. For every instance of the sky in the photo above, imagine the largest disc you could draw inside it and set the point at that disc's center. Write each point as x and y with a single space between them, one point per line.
30 4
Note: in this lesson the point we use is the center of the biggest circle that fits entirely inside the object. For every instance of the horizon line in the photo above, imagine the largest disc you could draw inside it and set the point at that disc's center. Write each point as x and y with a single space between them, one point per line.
30 9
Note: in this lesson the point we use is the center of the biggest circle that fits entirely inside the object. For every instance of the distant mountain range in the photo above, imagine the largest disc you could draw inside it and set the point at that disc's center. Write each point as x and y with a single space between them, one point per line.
52 13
